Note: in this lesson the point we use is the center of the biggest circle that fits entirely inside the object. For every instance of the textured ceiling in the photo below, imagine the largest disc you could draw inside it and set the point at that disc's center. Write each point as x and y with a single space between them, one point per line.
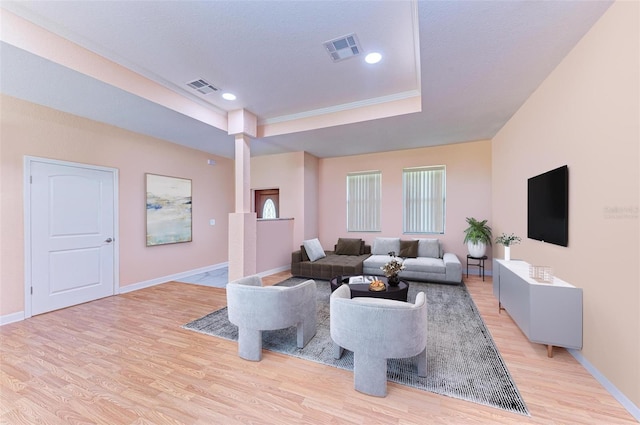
472 62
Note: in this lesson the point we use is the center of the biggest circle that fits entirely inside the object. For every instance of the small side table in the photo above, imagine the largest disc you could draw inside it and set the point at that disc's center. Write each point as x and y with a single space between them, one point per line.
479 264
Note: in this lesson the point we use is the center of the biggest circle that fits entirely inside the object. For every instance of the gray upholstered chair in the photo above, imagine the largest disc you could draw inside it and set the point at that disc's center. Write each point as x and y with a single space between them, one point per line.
375 330
254 308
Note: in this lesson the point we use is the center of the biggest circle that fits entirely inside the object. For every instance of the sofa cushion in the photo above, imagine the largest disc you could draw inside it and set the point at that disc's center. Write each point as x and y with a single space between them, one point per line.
314 249
408 249
383 246
303 254
424 264
349 246
429 248
377 261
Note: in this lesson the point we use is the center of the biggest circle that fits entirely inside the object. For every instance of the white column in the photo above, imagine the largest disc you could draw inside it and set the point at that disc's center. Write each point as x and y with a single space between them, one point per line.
242 222
243 174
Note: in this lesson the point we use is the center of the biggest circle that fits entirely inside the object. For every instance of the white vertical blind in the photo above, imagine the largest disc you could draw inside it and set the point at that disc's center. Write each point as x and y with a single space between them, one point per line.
364 193
424 199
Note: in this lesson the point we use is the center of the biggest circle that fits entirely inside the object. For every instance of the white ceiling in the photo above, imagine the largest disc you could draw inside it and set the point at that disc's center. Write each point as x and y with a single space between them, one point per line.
473 62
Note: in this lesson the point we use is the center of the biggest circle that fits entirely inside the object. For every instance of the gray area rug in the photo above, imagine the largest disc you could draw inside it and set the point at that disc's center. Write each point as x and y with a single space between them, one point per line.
462 359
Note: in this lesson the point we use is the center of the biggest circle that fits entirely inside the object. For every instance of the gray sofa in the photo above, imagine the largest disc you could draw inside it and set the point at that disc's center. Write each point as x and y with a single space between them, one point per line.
423 259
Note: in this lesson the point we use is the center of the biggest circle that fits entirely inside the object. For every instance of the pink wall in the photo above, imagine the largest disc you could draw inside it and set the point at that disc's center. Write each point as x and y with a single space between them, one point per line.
586 115
273 244
29 129
468 191
285 172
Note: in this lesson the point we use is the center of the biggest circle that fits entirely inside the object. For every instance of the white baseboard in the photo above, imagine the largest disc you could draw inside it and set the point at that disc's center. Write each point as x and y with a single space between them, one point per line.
11 318
276 270
169 278
16 317
622 399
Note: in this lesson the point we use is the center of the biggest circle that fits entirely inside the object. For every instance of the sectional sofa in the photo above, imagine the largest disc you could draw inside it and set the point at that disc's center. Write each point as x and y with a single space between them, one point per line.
424 259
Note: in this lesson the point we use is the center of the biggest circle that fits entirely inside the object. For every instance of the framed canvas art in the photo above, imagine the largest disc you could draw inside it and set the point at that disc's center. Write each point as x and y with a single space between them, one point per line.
168 210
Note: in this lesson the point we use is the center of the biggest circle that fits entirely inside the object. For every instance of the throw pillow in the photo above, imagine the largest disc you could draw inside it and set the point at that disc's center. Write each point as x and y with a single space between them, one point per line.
382 246
347 246
314 249
429 248
408 249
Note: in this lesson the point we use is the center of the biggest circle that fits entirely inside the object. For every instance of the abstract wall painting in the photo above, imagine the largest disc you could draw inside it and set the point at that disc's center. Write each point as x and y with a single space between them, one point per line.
168 210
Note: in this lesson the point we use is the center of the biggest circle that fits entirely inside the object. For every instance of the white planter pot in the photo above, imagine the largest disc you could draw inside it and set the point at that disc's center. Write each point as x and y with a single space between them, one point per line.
507 253
477 250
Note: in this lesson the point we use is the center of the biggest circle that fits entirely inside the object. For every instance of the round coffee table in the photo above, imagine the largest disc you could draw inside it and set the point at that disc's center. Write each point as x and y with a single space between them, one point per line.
399 292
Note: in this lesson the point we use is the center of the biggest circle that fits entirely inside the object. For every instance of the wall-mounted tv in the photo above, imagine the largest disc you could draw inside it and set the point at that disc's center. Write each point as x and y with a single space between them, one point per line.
548 207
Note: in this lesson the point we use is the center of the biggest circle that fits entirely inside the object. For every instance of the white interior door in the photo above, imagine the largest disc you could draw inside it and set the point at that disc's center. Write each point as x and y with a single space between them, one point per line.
72 210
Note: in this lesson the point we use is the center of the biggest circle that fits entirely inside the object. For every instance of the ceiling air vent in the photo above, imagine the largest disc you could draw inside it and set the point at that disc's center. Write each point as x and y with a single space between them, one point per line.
202 86
343 48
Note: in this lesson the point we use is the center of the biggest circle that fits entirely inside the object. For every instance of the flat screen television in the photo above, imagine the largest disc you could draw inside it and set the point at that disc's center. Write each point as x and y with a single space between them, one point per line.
548 207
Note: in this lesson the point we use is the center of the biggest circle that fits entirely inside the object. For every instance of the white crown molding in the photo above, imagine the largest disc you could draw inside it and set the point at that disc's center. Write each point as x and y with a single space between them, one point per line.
341 108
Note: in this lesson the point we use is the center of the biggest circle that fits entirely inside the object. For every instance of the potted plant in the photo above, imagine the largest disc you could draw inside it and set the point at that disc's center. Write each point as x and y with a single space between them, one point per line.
477 236
392 268
507 241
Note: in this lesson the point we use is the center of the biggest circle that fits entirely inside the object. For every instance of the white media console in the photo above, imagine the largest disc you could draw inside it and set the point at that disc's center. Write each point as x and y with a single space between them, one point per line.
547 313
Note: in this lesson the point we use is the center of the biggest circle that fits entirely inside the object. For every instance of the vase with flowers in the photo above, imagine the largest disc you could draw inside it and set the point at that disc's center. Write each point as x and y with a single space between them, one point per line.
507 241
392 268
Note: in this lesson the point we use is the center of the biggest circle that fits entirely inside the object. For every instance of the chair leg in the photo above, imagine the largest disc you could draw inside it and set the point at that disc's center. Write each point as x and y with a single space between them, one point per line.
370 374
250 344
421 363
305 331
337 351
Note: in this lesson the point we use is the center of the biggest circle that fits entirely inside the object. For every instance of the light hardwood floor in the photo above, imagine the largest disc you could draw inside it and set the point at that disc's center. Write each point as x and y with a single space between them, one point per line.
126 360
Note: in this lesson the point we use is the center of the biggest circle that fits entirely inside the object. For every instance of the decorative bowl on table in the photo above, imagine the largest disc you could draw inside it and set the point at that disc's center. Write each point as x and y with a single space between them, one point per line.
377 285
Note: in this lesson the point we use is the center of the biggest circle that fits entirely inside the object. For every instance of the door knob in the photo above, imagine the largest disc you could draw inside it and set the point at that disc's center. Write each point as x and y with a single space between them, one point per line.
108 240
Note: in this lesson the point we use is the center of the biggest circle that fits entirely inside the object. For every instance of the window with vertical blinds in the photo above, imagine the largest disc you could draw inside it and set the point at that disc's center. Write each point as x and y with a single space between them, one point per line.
364 192
424 199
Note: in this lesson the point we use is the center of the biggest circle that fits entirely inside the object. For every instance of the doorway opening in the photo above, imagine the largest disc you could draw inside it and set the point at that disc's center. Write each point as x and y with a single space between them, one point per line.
267 203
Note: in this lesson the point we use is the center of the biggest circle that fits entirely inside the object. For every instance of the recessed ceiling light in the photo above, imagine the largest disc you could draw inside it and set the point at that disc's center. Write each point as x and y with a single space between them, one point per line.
229 96
373 57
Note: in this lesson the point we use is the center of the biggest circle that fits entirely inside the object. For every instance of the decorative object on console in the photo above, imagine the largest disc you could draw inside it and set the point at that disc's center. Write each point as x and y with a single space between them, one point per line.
477 236
392 268
507 241
542 274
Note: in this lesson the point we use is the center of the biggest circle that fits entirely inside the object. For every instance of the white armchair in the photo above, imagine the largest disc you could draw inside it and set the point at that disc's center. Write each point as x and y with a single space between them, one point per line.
254 308
375 330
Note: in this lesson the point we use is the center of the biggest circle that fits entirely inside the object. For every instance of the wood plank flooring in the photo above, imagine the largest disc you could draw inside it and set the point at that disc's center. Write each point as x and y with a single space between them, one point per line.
126 360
